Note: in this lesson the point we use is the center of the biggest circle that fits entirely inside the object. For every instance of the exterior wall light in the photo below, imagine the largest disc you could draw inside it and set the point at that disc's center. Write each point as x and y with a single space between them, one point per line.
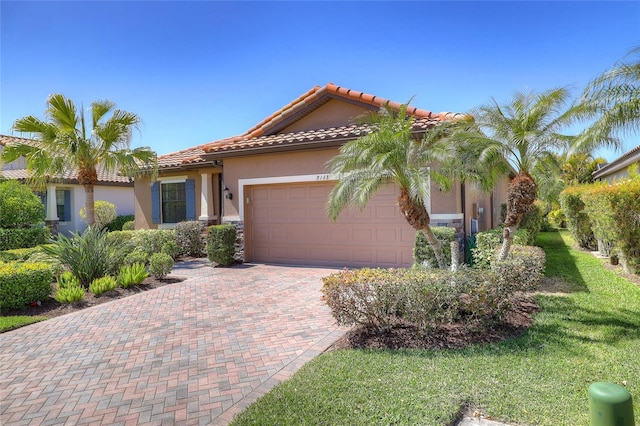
227 194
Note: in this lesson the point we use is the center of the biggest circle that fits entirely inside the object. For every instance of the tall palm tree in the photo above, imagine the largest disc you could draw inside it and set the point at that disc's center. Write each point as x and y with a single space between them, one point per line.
390 154
518 136
63 143
614 97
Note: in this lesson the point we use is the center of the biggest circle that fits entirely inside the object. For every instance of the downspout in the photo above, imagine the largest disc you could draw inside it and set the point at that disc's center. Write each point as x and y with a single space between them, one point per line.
493 209
464 219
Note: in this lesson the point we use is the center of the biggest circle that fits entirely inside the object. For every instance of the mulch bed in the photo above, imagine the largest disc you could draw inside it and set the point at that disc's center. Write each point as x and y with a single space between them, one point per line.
450 336
50 308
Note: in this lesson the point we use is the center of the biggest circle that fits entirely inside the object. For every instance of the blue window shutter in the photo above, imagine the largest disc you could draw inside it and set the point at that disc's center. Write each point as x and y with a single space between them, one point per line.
190 192
67 206
155 202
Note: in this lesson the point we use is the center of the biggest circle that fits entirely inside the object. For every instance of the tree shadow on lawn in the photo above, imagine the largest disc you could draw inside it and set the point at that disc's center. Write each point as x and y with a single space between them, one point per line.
560 262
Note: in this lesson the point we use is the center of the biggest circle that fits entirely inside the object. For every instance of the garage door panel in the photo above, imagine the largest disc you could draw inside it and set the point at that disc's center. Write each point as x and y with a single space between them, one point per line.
300 232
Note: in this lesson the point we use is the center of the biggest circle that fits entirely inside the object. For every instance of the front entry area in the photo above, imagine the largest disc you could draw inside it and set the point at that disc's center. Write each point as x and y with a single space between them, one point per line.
287 224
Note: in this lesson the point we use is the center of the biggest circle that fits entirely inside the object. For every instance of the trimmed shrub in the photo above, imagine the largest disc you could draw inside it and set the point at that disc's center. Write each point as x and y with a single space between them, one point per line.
16 238
170 248
132 275
423 253
221 244
129 226
136 256
486 242
88 256
21 254
101 285
69 289
578 221
533 221
522 270
23 283
104 213
118 222
19 206
160 264
152 240
614 211
377 298
189 238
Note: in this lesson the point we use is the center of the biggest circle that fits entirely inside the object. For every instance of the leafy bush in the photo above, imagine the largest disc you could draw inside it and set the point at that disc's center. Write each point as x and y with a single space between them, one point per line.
577 219
21 254
118 222
129 226
533 221
23 283
557 218
170 248
152 240
132 275
16 238
88 256
39 256
189 238
486 243
104 213
614 211
160 264
19 206
101 285
221 244
376 298
69 289
422 251
522 270
136 256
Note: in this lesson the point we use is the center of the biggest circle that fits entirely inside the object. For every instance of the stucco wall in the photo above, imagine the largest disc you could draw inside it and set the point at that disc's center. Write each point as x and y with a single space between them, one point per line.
332 114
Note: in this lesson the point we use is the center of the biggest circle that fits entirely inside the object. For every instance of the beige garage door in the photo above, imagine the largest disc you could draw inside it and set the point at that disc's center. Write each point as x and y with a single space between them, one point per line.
287 224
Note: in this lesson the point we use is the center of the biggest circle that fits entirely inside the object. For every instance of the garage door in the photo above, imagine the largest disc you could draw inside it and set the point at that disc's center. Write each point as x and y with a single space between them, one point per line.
287 224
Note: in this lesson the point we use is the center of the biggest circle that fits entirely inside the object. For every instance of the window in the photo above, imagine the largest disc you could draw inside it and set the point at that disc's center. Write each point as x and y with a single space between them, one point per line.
63 204
174 202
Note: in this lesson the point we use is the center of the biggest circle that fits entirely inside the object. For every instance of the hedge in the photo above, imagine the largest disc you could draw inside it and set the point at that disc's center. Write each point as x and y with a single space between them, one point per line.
15 238
422 251
221 244
19 206
118 222
533 221
23 283
486 242
614 211
577 219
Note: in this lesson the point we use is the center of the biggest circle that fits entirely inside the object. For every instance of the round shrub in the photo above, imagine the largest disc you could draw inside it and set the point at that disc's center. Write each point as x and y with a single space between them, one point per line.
104 213
118 223
19 206
129 226
160 264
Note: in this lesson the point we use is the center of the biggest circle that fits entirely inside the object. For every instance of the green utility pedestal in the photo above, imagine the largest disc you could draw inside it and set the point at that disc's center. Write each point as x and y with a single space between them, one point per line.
610 405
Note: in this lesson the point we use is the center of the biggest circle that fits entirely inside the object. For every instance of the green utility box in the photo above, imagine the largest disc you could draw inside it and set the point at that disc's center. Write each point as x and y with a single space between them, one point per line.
610 405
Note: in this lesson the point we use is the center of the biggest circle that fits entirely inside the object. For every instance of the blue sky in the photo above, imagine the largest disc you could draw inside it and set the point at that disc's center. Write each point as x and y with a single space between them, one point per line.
200 71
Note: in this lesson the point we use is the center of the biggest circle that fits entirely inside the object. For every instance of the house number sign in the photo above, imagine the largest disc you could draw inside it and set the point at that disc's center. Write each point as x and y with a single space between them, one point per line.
322 177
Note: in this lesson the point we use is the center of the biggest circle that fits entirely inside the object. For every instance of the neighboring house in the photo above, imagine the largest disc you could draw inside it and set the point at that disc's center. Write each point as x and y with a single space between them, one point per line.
618 168
273 181
64 197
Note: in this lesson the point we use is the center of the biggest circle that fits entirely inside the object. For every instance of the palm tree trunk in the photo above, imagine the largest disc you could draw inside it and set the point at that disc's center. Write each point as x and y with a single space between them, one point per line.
436 246
507 240
89 204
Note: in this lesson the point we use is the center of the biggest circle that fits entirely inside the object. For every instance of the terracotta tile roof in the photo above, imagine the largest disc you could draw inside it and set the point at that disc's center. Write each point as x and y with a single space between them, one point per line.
71 174
263 135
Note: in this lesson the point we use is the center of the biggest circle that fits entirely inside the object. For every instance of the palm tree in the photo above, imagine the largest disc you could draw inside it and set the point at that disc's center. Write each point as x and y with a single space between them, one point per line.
390 154
517 136
615 99
62 143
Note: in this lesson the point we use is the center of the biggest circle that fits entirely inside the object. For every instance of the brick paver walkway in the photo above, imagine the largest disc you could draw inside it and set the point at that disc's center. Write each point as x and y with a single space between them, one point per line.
196 352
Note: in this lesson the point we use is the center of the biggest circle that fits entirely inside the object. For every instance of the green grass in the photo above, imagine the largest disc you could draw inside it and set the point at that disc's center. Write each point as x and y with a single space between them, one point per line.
591 334
10 323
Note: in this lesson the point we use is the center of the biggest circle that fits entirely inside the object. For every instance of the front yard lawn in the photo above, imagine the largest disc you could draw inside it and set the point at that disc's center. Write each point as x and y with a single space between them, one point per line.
588 332
17 321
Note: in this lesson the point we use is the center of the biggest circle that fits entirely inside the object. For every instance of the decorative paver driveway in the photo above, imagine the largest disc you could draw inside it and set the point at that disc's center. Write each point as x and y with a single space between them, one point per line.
196 352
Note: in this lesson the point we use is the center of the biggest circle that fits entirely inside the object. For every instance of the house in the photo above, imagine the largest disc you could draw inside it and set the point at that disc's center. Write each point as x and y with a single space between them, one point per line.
272 182
618 168
64 197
